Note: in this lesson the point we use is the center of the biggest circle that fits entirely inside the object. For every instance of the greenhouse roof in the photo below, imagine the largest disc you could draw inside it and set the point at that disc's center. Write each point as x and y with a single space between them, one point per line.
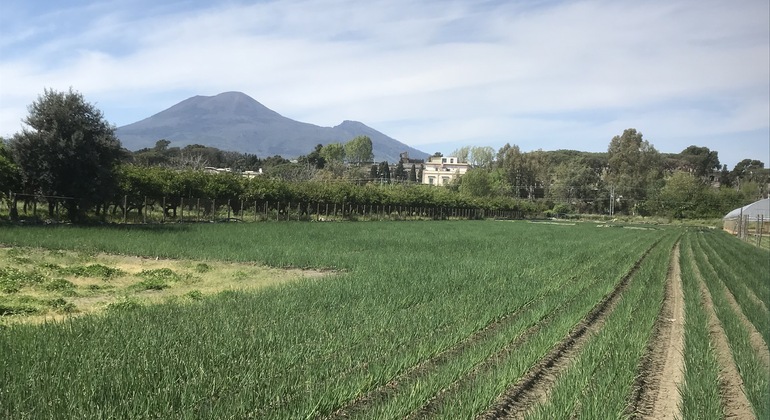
757 208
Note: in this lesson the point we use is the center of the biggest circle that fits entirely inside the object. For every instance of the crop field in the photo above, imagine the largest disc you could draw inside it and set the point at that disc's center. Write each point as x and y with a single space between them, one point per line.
376 320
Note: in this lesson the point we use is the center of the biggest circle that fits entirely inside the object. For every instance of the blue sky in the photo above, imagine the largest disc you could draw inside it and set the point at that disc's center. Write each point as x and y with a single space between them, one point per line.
436 75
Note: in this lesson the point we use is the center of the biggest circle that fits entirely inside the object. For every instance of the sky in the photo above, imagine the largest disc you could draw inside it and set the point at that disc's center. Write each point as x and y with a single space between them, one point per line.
434 74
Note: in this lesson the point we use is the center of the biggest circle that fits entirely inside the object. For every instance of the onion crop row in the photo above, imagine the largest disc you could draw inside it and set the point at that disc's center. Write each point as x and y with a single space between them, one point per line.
700 390
560 293
736 277
756 376
599 382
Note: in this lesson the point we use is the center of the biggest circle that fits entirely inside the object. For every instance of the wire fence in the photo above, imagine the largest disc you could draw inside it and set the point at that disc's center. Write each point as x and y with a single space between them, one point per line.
144 210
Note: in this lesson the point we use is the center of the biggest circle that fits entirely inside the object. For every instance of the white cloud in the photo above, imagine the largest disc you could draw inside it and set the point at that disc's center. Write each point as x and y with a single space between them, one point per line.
561 75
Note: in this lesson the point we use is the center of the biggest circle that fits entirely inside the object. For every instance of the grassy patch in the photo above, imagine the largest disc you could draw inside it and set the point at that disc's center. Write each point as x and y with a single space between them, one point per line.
58 283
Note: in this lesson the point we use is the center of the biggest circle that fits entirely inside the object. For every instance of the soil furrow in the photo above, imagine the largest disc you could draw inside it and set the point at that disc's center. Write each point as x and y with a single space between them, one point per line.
734 399
656 394
535 386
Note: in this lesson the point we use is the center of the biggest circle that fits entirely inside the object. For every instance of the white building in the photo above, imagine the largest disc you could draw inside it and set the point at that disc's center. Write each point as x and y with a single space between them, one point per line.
442 170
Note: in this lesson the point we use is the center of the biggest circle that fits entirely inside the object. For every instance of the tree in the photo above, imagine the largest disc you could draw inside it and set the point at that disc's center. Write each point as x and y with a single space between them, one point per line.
383 172
413 174
314 158
67 149
680 196
400 174
461 153
512 162
481 157
333 152
634 168
749 170
700 160
359 150
9 171
476 183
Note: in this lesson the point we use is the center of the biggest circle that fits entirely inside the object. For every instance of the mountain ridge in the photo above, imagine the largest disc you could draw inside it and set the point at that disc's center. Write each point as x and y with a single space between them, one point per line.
234 121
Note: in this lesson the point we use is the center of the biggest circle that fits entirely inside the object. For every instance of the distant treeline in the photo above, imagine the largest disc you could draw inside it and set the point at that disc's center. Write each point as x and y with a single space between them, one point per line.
69 154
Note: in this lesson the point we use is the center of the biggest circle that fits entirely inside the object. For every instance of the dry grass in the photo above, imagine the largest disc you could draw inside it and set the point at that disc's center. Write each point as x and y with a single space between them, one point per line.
38 285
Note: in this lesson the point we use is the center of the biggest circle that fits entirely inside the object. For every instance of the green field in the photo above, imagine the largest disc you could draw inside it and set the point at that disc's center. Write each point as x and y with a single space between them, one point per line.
424 319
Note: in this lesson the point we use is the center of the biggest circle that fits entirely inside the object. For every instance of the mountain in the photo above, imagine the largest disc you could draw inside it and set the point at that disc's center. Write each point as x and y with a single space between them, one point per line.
236 122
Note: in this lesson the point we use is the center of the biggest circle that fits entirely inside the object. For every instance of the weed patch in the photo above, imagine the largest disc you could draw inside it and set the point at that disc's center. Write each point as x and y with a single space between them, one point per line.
124 304
62 286
93 270
159 274
13 279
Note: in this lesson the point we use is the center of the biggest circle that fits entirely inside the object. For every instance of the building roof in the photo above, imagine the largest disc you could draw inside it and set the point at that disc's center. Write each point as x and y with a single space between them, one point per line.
757 208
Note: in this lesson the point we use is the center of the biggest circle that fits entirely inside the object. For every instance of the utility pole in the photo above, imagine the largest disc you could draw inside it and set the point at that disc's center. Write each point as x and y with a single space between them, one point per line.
612 200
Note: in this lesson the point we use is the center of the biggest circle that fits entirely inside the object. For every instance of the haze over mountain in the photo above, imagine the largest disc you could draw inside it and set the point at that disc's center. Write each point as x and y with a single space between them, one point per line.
236 122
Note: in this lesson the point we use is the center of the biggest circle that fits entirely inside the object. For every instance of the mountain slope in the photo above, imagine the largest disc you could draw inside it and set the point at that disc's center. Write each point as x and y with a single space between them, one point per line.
234 121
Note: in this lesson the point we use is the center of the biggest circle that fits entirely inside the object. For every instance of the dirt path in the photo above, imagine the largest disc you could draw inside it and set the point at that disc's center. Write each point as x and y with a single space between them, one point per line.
734 399
662 371
536 385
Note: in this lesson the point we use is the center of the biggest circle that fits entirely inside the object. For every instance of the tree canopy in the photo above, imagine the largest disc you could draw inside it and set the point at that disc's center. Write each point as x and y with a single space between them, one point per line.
359 150
67 149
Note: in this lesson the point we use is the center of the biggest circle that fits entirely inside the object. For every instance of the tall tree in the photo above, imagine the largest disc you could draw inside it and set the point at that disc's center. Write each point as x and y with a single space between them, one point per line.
359 150
481 156
333 152
413 174
634 168
67 149
384 172
516 170
462 153
400 174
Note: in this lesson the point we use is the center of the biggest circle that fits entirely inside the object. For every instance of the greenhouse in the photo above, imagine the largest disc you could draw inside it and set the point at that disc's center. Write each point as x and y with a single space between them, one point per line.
753 218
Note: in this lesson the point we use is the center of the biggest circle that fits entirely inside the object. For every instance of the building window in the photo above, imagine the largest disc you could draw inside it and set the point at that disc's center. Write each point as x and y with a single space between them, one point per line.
431 180
451 160
445 180
443 160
